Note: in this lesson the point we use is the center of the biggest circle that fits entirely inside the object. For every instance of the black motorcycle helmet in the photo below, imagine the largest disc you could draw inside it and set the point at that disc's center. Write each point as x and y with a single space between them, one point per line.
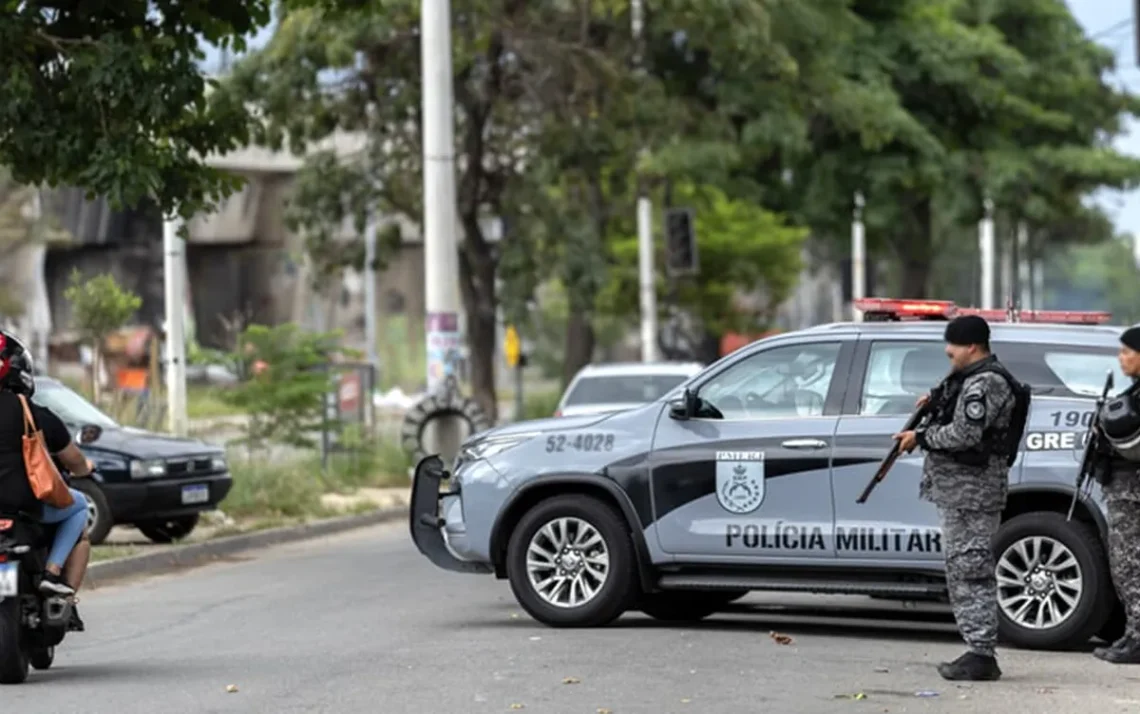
17 369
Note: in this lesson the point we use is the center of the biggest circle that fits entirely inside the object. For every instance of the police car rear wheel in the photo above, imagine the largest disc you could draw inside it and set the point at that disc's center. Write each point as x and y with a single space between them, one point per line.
570 562
1054 590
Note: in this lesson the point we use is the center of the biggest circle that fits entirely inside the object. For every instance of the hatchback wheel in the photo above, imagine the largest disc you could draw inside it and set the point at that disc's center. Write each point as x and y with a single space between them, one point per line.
570 562
1054 589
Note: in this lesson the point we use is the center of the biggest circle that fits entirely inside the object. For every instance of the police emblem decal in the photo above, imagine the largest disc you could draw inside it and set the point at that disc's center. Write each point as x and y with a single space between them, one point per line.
740 480
975 409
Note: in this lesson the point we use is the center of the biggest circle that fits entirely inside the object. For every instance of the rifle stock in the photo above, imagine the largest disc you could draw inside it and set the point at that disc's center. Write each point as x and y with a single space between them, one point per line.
1092 446
917 418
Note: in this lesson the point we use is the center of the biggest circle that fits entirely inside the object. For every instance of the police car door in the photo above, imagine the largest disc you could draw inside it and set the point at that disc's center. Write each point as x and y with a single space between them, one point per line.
888 377
754 484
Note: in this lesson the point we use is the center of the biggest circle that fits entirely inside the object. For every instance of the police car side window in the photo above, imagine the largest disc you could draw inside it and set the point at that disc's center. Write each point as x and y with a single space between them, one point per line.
779 382
898 373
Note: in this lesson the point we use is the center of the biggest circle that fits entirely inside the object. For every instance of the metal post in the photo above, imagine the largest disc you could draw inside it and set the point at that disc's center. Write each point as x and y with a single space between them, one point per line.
647 291
370 313
858 257
986 252
441 245
173 247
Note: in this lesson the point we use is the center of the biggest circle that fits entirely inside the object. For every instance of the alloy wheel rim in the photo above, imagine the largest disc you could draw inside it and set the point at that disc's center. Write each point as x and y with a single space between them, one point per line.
567 562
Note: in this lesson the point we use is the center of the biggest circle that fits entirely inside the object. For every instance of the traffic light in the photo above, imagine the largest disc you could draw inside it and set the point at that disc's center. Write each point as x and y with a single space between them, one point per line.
680 242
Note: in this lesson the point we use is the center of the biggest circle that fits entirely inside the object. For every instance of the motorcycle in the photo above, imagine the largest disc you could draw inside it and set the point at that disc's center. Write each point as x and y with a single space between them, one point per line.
32 623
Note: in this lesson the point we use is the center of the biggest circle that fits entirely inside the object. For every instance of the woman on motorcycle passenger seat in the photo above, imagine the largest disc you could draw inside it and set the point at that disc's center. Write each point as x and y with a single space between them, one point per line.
16 496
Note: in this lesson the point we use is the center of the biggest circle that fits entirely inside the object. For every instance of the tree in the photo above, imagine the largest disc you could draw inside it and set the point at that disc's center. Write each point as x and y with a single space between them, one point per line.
749 261
110 97
343 66
99 307
1005 99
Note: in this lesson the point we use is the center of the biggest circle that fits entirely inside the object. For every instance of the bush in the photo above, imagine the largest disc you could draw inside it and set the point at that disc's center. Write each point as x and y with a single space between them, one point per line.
540 405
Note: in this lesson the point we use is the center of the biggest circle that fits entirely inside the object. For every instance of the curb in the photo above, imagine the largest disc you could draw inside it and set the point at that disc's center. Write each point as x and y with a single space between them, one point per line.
195 554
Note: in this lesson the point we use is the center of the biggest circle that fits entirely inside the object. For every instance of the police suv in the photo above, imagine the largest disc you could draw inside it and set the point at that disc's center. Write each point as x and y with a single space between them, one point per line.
745 478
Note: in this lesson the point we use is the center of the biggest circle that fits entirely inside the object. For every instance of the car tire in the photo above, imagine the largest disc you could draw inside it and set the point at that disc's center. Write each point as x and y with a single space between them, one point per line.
42 657
685 606
1095 601
618 588
168 530
13 648
99 519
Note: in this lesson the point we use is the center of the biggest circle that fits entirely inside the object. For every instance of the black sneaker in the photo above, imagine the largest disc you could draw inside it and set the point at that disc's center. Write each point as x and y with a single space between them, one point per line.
54 585
75 624
971 667
1123 651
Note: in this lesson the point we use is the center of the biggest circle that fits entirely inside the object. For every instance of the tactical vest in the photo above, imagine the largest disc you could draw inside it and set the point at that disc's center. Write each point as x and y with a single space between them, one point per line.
1004 441
1120 422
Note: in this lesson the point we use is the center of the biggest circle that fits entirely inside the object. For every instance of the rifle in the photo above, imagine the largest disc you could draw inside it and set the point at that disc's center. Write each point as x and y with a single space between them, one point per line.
1094 446
917 418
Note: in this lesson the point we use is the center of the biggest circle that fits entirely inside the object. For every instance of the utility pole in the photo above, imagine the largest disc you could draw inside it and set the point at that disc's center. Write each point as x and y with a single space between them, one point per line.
645 274
858 257
370 313
173 249
441 258
986 251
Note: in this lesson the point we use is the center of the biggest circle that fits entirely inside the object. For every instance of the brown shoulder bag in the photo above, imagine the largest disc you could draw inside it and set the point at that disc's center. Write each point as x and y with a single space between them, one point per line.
43 476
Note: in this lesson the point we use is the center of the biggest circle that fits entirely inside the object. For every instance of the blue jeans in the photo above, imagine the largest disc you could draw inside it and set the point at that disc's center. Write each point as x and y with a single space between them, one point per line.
72 520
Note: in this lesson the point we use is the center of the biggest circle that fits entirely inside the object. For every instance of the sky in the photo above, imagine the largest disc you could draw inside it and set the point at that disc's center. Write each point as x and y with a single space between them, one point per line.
1108 21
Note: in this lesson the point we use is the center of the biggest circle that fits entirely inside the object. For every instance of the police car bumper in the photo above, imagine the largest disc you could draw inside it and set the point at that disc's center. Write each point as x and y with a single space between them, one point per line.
436 520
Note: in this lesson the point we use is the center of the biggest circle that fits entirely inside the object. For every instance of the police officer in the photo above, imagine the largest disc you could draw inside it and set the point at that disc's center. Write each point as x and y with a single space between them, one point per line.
1120 422
965 474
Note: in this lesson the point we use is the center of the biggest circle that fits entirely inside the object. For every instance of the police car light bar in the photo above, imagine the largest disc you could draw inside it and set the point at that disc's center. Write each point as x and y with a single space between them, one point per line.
891 309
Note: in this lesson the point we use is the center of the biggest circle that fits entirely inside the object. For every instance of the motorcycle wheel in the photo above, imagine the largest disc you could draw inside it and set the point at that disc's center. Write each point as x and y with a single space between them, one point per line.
43 657
13 649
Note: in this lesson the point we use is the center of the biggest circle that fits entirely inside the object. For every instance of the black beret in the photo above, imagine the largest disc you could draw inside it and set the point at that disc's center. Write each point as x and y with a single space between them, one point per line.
1131 337
968 330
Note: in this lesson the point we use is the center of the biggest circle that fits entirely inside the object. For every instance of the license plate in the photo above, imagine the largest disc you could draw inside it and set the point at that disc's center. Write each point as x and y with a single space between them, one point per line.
195 494
9 580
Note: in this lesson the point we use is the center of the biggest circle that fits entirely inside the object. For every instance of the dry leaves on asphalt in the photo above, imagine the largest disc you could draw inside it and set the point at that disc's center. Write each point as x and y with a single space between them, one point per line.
518 706
571 680
780 638
231 688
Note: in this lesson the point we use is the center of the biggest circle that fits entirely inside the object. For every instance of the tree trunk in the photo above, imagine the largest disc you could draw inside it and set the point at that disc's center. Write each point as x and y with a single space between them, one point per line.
580 340
708 348
481 340
917 249
477 286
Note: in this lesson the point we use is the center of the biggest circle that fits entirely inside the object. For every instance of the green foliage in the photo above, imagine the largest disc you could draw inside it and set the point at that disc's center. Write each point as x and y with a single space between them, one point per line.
749 261
1097 277
99 305
111 97
540 404
284 384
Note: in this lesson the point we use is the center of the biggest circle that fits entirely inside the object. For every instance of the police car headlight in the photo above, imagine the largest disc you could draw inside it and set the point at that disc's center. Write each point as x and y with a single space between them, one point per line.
486 448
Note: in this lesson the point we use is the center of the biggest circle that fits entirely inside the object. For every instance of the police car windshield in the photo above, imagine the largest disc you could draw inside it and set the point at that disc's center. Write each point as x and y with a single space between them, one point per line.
622 389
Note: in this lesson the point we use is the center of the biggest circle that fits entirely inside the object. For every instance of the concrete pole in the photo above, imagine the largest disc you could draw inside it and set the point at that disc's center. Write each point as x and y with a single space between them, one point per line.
173 248
370 315
986 252
647 291
858 258
1024 276
441 245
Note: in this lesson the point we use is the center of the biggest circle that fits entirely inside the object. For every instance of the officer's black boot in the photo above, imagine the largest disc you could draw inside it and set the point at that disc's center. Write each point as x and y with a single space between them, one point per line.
1102 652
971 667
1128 652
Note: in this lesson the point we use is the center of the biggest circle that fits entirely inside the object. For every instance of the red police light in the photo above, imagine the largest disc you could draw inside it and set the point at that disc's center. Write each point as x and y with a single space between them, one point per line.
889 309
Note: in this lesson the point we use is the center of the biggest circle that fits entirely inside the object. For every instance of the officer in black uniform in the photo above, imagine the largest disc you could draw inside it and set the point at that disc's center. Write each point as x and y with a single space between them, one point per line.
1120 422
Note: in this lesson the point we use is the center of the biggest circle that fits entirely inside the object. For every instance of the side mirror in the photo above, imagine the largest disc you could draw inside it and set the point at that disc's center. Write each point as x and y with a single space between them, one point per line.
88 433
685 406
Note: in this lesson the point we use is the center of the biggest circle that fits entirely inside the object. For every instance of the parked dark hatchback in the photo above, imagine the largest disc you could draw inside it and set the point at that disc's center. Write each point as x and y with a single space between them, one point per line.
157 482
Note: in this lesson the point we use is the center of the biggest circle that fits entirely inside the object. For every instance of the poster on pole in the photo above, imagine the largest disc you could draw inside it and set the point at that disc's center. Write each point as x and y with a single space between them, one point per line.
443 348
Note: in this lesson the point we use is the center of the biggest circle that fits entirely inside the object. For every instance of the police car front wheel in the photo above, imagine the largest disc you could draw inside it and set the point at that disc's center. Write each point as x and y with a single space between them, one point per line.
1054 589
570 562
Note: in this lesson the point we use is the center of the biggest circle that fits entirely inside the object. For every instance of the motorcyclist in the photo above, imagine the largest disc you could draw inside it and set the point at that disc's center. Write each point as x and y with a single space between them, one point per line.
16 378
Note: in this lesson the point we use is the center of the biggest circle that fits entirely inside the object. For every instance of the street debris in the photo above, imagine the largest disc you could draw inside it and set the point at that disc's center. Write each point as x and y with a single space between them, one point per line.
780 638
231 688
926 693
571 680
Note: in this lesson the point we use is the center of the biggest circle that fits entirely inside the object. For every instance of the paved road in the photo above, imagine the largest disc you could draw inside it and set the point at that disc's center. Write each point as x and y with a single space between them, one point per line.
360 623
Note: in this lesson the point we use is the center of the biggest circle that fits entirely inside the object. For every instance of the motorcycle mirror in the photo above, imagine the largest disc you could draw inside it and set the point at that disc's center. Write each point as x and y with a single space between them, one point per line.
88 433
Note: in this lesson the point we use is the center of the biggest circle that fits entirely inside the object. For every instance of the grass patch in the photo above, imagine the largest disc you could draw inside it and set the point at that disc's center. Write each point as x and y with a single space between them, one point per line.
113 552
293 490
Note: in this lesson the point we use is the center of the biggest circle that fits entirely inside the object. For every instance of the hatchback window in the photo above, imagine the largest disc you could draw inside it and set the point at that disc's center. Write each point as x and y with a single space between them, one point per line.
622 389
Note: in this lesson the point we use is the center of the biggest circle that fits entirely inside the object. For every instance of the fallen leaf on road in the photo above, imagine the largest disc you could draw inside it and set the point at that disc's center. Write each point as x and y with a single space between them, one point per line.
605 711
686 701
780 638
518 706
882 670
570 680
856 695
514 616
231 688
535 639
